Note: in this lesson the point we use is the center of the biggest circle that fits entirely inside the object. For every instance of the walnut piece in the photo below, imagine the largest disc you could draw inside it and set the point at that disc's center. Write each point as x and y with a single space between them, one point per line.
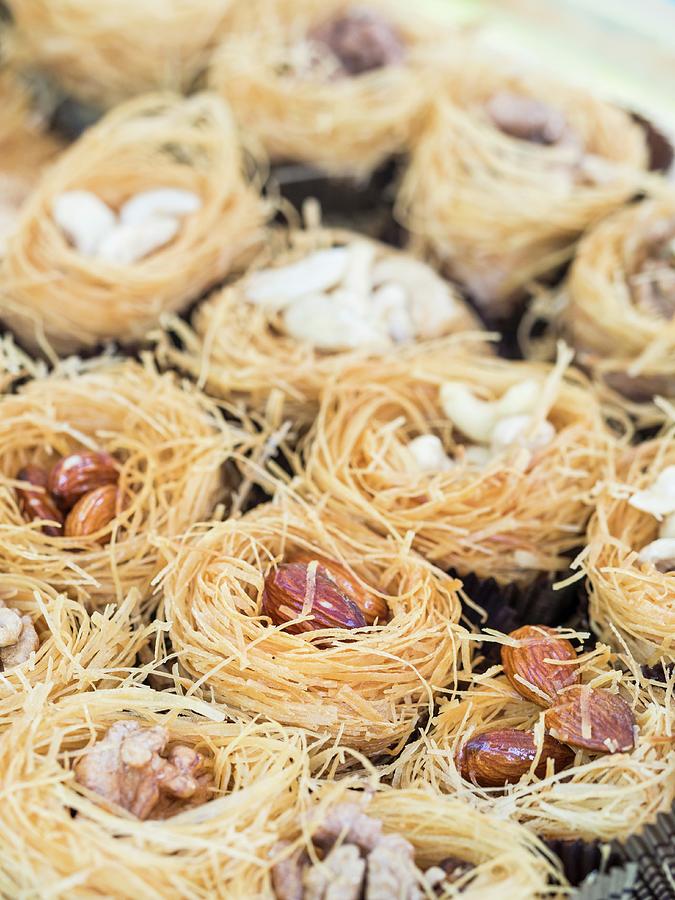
18 637
358 861
127 768
339 877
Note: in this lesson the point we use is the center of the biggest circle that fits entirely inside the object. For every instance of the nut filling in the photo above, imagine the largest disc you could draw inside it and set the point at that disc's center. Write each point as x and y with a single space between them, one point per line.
138 769
323 591
358 861
652 283
542 667
77 498
18 637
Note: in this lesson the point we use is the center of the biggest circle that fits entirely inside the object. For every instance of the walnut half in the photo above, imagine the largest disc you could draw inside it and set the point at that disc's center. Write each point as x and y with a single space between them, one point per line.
132 768
18 637
359 862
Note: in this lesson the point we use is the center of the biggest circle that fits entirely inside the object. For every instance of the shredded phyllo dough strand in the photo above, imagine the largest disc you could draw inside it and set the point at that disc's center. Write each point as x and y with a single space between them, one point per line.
509 517
345 124
627 596
56 831
598 797
55 296
499 211
170 441
367 688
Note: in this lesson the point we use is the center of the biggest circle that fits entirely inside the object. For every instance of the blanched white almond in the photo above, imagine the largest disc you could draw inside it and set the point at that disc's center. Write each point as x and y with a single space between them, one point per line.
275 289
428 454
667 529
517 430
358 275
474 417
332 323
432 304
84 218
660 553
389 305
159 203
127 244
659 498
519 398
477 418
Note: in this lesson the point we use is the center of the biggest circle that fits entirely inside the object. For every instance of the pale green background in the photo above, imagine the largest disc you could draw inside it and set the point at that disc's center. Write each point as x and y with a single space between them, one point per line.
624 49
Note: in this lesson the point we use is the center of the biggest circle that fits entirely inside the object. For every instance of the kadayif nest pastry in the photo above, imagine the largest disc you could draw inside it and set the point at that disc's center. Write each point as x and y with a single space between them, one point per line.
576 744
339 85
149 208
508 171
99 459
309 619
487 463
314 301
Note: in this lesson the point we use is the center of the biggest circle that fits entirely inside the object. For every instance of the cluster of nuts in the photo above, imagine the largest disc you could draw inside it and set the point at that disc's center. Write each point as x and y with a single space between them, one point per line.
491 425
138 769
359 861
77 498
360 40
652 283
311 593
146 222
348 297
543 668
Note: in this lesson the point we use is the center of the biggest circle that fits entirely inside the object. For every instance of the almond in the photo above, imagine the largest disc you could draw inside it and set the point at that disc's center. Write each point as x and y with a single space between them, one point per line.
92 512
503 756
39 504
528 661
373 608
294 589
76 475
592 719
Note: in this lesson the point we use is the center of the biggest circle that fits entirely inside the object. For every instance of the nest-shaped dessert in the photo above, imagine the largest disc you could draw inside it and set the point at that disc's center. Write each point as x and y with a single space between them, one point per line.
256 620
130 792
149 208
508 171
315 300
408 843
145 458
486 462
629 559
335 84
609 771
111 50
60 644
620 301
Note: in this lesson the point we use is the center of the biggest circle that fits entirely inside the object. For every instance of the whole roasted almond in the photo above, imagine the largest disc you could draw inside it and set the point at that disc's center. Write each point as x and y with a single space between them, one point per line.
592 719
93 511
39 504
76 475
295 589
503 756
528 662
374 608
